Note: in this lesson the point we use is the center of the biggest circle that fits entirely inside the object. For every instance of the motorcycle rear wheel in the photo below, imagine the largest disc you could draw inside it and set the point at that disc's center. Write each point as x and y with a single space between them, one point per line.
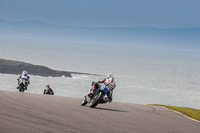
84 102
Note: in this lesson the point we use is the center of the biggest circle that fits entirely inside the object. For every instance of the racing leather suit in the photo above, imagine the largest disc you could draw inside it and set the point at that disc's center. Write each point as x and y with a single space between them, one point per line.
48 91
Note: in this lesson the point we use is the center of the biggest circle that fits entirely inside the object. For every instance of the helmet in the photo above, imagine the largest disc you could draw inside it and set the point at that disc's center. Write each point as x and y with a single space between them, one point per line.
24 73
110 76
48 85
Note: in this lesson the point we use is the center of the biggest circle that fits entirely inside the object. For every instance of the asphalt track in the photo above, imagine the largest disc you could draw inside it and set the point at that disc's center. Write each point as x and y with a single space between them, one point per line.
38 113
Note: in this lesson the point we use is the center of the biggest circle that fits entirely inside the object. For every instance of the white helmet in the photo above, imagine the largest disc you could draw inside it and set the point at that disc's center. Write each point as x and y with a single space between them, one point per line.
110 76
24 73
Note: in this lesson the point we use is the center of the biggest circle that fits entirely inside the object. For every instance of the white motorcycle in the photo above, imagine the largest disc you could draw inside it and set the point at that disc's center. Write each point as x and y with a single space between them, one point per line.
23 84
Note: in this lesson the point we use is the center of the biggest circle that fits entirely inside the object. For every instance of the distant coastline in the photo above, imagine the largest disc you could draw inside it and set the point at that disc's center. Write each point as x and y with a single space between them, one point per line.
16 67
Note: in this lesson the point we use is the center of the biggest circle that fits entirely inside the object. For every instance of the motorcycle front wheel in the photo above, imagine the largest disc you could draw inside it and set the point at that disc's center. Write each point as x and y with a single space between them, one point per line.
96 99
21 88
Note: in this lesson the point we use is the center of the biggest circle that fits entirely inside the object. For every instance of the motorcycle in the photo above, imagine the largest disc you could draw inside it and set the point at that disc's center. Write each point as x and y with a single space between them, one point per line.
23 84
93 99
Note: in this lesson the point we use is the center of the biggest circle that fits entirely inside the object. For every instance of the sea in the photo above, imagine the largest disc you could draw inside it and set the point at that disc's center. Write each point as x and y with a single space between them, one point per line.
142 75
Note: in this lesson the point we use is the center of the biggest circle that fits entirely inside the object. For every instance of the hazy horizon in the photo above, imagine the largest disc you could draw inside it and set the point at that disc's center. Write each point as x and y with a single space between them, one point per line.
183 39
170 25
103 13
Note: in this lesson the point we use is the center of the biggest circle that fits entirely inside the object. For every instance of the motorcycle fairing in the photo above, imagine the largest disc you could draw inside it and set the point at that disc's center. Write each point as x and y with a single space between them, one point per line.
104 88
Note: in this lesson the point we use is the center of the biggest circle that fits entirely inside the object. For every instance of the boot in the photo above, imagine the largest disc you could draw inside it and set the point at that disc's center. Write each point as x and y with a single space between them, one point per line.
104 100
18 87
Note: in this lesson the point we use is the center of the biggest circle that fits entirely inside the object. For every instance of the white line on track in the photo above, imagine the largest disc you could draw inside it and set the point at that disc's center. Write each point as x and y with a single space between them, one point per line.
182 114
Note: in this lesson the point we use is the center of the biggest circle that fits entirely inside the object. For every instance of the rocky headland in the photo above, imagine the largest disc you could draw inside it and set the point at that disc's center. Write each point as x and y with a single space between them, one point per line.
16 67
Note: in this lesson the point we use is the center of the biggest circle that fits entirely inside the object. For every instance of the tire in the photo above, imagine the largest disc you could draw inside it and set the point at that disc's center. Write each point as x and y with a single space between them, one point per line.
84 102
21 88
97 99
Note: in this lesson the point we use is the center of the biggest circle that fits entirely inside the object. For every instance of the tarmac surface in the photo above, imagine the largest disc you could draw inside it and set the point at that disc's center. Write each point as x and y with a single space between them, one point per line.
37 113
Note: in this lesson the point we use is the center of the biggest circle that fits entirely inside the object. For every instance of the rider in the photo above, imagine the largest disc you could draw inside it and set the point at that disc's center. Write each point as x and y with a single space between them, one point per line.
109 81
25 76
48 90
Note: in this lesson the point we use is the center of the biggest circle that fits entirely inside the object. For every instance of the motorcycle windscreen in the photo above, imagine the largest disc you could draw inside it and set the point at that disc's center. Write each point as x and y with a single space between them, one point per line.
104 88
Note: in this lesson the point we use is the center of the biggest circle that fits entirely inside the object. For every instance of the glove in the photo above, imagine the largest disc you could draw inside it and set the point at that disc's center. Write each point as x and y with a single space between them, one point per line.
95 82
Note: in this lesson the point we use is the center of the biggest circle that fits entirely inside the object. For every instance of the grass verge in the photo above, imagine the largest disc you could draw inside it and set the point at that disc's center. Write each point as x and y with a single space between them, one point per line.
190 112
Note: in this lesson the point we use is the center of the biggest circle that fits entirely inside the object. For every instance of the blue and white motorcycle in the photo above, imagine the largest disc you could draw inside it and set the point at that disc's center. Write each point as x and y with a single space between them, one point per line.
93 99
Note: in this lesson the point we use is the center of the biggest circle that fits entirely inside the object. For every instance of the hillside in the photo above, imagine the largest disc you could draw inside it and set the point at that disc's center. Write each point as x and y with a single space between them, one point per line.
151 37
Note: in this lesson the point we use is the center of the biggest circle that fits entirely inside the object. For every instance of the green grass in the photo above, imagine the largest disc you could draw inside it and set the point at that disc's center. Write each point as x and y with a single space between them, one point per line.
190 112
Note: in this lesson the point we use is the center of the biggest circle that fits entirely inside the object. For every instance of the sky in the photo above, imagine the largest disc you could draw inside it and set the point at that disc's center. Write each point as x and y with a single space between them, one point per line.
105 13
